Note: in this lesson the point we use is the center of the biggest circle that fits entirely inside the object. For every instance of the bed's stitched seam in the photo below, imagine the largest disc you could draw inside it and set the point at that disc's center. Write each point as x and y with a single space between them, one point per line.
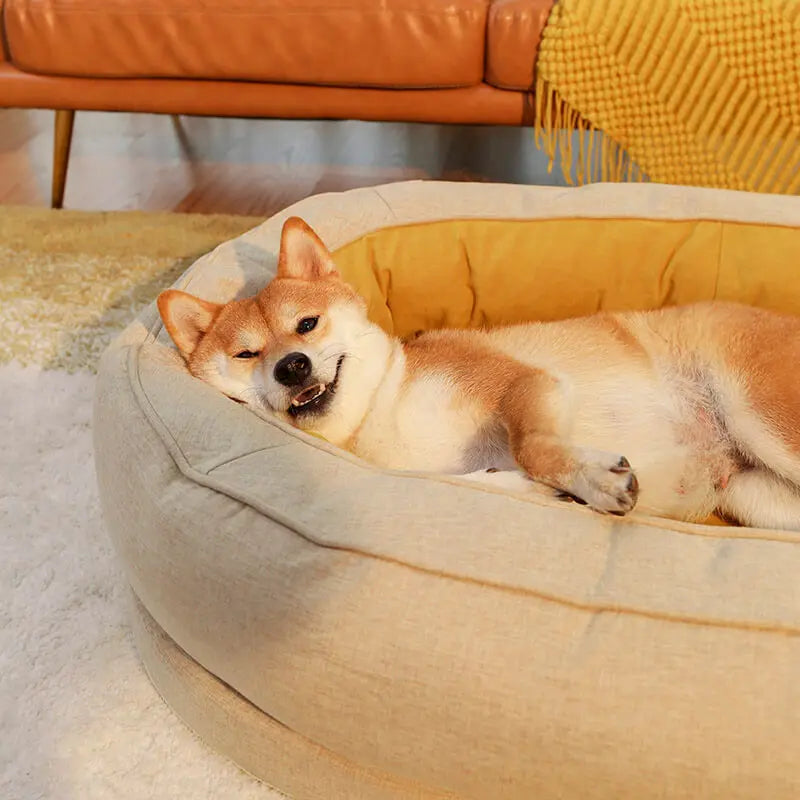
189 472
702 531
377 193
234 459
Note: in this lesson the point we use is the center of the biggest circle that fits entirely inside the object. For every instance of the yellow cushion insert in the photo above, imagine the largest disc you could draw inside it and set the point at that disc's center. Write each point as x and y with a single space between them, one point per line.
467 273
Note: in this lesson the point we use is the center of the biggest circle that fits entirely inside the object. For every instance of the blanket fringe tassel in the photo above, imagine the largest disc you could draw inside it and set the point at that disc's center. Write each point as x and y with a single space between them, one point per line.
557 126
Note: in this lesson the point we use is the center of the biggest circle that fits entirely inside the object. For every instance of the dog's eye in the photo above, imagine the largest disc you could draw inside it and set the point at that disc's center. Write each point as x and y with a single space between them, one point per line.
246 354
307 324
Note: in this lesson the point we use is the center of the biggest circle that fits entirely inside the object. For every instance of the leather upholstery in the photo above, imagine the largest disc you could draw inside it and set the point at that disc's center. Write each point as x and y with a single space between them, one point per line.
3 54
514 30
449 61
392 43
470 105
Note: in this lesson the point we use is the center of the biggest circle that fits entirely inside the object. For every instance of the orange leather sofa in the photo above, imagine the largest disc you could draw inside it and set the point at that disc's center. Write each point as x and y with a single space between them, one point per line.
446 61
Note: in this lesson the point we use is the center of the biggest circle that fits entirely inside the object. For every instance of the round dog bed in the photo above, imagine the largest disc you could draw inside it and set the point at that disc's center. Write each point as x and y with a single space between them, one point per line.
346 632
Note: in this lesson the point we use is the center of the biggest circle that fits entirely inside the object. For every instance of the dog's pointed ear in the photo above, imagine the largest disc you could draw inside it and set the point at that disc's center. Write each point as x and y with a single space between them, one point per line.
186 318
302 254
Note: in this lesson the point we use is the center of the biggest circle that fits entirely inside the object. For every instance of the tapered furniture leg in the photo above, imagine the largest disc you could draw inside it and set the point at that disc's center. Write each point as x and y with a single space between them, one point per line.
61 145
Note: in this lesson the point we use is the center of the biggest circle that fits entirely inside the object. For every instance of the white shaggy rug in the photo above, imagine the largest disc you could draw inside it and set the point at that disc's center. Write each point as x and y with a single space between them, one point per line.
78 717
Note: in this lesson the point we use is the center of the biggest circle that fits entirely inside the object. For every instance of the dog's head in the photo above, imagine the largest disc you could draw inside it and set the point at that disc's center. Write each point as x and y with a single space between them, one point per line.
302 349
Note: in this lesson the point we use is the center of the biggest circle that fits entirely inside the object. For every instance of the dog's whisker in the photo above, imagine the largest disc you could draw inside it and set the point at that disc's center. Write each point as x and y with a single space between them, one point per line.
334 346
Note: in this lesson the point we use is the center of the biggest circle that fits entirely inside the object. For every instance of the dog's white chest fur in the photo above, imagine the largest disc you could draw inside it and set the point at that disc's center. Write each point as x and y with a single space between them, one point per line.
422 425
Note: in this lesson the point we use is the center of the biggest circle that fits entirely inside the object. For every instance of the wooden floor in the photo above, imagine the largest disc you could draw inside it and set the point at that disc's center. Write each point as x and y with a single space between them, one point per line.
237 166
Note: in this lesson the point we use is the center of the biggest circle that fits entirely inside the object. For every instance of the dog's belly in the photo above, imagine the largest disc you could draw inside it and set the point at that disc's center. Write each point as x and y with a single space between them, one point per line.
663 426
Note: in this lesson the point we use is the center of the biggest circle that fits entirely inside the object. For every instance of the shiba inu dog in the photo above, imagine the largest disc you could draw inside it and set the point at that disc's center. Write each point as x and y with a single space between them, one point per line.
681 412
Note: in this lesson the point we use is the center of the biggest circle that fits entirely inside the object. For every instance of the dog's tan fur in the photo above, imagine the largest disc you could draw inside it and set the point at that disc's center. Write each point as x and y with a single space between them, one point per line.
686 410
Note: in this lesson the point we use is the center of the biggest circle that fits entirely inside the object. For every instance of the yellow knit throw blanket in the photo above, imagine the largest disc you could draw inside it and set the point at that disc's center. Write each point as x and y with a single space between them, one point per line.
701 92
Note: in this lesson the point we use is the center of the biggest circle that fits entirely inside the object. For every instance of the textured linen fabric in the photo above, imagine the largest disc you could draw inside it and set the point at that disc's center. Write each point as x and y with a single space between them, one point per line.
348 632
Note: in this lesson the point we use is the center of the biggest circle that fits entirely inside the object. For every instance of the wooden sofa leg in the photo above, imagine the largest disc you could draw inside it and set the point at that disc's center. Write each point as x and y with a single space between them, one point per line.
61 144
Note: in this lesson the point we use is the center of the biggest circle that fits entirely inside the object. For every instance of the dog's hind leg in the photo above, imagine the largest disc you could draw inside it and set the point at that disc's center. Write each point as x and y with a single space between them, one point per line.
761 499
759 389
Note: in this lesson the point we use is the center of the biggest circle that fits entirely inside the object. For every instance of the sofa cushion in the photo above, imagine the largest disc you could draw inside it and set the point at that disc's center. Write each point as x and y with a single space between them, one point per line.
3 55
514 29
395 43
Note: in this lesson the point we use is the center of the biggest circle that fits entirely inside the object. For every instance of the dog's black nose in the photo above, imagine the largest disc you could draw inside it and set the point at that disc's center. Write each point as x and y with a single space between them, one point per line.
293 369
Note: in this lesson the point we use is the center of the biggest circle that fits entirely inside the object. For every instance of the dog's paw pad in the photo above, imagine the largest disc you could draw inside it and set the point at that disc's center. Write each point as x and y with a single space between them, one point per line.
605 482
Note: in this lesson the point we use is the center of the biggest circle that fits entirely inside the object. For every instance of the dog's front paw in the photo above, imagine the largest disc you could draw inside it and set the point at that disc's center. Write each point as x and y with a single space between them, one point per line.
605 482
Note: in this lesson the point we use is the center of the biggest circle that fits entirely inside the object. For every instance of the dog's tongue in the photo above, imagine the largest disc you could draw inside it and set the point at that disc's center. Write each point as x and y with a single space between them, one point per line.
309 394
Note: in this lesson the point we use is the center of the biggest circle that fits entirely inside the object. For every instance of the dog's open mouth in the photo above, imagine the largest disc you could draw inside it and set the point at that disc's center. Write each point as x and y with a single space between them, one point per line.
309 395
316 397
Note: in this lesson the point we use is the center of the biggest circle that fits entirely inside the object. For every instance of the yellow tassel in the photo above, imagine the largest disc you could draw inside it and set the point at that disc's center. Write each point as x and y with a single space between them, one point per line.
581 166
596 157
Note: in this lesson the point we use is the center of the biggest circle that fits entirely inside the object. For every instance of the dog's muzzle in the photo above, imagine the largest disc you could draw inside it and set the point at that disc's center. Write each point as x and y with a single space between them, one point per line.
314 397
